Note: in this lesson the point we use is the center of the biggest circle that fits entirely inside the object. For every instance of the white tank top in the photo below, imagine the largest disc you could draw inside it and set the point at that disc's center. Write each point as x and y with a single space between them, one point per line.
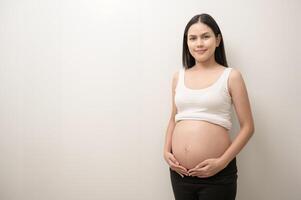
212 104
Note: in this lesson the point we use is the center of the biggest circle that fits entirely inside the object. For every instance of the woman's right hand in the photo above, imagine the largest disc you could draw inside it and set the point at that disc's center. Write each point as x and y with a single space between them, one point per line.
174 164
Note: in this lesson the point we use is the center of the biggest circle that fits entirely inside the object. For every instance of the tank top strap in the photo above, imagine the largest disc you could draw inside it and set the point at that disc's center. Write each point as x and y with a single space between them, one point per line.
227 73
180 78
225 77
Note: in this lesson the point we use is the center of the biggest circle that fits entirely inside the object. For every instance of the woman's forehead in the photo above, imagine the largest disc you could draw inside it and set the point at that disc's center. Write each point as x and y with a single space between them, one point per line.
199 29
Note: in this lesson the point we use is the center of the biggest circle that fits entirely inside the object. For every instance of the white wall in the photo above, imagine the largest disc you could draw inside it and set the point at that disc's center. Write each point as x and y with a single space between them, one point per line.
86 95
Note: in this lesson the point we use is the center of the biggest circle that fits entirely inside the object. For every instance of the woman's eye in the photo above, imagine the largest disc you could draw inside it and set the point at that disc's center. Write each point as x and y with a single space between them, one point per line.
191 38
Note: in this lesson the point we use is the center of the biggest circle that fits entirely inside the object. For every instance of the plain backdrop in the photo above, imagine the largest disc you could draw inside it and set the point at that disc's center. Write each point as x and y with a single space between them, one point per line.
85 95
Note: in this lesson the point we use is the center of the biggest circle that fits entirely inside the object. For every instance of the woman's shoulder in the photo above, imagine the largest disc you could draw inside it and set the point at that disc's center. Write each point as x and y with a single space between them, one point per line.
235 79
175 77
176 74
234 73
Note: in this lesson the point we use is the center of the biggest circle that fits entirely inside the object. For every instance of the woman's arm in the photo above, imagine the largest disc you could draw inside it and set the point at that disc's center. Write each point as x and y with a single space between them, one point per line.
171 124
238 91
168 136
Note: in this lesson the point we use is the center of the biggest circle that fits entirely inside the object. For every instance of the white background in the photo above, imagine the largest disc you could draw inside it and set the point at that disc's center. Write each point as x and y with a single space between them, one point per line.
85 95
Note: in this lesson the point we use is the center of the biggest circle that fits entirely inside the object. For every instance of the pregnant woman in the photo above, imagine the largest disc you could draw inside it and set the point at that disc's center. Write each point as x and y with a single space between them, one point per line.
198 149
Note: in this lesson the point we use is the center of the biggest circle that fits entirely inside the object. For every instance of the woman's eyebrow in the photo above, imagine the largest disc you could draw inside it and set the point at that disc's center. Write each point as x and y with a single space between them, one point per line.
201 34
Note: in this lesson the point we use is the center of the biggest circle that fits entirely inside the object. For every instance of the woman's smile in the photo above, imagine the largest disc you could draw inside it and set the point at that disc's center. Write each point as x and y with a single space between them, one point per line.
201 51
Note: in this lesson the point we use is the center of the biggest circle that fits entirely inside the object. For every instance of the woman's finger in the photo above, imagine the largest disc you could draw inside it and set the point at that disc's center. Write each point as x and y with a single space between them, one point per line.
183 168
196 173
180 174
178 166
174 160
183 171
171 163
178 170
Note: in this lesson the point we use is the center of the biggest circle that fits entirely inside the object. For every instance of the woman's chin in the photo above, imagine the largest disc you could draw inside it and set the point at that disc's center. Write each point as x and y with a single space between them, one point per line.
201 59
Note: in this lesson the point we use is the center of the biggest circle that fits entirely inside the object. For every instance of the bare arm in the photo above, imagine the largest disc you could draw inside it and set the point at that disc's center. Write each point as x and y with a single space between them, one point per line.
171 124
242 107
168 136
167 152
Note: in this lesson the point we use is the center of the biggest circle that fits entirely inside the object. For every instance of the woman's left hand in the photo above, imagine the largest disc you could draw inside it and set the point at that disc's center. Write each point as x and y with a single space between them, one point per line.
207 168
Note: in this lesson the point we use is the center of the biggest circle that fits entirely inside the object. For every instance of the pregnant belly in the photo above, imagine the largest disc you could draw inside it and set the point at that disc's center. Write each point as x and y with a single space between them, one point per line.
194 141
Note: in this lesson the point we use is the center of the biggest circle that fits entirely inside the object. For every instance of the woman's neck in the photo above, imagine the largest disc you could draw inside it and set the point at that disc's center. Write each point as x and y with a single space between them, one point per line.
208 64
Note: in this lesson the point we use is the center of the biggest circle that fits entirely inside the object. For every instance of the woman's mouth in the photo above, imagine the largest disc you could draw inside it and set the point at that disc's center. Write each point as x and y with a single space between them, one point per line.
201 51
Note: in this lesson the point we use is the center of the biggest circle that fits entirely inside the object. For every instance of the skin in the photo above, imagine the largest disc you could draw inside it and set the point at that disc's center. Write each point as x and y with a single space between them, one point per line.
200 36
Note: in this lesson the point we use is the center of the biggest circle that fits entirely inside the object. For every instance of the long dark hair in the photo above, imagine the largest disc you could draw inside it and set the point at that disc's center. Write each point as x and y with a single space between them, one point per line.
219 54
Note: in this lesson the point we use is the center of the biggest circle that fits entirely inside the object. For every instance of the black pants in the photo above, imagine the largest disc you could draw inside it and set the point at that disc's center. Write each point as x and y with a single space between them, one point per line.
221 186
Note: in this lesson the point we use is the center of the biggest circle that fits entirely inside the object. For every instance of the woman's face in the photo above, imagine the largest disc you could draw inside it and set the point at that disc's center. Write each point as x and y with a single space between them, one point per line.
201 41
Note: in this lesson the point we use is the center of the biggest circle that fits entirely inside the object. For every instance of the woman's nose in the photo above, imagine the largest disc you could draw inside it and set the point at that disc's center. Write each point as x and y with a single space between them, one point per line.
199 42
